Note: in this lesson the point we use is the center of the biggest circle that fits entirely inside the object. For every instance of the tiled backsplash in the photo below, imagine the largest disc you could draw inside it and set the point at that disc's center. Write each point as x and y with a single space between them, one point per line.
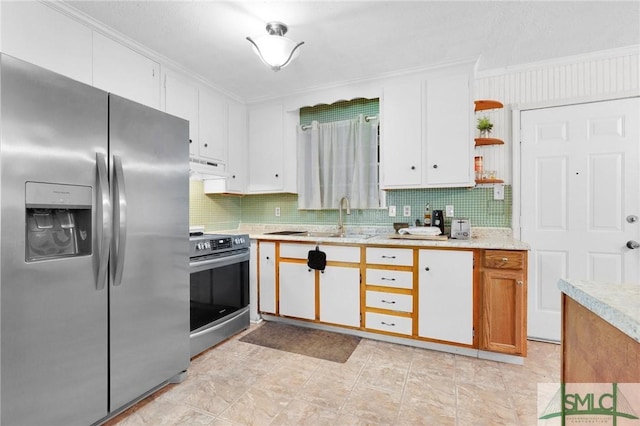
217 212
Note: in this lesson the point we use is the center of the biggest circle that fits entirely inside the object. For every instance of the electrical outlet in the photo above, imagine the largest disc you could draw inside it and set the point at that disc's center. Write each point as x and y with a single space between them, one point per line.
498 191
277 211
406 211
449 211
392 211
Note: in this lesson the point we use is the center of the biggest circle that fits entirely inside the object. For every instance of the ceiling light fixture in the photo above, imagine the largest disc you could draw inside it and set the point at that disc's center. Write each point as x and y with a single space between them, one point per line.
275 50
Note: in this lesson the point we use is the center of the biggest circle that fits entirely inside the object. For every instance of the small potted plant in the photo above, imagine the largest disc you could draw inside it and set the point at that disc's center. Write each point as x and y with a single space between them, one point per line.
484 125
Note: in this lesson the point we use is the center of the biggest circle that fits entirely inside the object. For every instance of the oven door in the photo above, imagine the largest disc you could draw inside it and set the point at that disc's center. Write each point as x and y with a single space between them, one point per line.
219 299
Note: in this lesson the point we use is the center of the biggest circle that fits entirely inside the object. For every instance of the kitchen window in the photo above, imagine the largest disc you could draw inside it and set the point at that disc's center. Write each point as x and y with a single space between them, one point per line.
339 158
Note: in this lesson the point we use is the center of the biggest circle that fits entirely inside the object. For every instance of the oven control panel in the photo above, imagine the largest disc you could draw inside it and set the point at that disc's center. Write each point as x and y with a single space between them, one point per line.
209 244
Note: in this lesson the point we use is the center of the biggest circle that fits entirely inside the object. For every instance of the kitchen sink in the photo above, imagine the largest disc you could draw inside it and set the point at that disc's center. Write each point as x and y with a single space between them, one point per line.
286 233
338 235
321 234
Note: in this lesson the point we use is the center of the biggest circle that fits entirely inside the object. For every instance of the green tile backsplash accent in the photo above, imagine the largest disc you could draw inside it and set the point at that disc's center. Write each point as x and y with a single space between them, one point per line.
343 110
214 212
477 204
218 212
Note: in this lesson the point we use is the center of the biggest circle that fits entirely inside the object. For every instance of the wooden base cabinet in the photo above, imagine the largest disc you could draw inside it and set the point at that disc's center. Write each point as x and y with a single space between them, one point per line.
504 302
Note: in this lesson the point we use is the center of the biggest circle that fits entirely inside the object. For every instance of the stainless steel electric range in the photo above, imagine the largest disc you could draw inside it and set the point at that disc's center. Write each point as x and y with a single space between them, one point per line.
219 266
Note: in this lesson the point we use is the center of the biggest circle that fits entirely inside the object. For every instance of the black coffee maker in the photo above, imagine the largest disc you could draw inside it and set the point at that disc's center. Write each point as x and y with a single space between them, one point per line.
438 220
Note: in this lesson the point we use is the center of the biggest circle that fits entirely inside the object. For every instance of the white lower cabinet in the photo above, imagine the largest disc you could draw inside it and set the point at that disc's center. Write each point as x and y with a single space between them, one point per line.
267 277
297 290
389 323
338 287
340 296
390 301
445 295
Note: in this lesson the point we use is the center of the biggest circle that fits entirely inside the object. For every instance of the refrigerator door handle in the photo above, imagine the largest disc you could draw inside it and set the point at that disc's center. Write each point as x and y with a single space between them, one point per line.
120 219
105 215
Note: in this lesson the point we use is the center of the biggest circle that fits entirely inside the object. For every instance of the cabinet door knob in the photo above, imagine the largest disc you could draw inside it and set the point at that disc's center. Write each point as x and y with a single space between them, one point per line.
206 145
519 282
267 257
190 141
427 269
276 175
413 167
233 177
435 166
505 259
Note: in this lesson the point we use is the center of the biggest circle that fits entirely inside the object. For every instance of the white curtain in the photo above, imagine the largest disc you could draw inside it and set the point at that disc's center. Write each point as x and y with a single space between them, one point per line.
338 159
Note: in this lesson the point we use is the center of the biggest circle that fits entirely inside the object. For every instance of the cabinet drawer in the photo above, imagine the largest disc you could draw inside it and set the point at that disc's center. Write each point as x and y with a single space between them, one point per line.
390 323
390 278
390 256
390 301
504 259
334 253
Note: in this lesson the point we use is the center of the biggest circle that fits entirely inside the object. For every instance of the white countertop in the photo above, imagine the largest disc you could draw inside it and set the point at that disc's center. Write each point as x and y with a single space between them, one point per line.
482 238
617 304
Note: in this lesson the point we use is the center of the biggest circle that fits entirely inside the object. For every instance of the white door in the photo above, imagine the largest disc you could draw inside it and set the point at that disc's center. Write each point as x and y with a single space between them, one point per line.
579 185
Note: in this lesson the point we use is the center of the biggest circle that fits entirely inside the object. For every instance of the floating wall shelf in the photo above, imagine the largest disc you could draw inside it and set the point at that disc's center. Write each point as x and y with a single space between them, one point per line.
487 104
488 181
488 141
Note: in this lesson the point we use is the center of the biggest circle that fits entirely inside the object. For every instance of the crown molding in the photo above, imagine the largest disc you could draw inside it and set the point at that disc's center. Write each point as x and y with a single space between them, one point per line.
65 7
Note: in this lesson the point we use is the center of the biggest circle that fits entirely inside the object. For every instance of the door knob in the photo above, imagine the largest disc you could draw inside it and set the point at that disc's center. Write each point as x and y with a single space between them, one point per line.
633 244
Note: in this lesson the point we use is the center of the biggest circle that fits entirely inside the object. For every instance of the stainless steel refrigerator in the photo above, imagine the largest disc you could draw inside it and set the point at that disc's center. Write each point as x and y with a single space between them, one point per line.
94 280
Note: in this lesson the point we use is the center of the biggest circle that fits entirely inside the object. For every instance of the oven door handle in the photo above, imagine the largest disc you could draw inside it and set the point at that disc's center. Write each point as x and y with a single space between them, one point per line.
203 265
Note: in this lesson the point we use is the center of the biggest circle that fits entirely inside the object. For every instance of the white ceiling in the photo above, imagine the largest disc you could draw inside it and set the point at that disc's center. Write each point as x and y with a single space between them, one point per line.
353 40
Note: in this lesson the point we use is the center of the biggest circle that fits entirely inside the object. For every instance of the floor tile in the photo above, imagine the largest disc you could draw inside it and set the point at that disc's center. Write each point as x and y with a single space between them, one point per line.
238 383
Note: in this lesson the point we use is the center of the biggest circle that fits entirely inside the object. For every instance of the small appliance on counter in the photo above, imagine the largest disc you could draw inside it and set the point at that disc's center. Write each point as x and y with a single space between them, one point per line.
438 220
460 228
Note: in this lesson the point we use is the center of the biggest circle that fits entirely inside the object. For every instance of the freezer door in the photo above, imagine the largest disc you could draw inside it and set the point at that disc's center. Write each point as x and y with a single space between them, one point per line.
149 291
53 311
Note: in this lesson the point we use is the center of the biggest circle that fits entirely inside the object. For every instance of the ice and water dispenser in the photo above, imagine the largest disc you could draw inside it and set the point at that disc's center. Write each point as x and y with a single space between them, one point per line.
58 219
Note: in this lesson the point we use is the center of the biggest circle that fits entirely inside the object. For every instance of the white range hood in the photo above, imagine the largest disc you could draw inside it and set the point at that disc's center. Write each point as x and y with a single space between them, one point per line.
200 169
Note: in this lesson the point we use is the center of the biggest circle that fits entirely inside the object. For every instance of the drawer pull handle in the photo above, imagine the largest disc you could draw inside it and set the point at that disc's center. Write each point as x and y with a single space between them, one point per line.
390 325
505 259
387 279
388 257
389 302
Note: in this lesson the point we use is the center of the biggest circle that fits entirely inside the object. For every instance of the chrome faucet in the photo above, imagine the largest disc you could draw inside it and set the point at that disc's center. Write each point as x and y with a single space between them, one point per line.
340 222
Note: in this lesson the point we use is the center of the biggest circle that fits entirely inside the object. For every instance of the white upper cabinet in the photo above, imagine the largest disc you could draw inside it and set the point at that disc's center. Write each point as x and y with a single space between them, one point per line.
237 148
181 100
213 126
447 131
266 149
401 133
426 130
36 33
126 73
